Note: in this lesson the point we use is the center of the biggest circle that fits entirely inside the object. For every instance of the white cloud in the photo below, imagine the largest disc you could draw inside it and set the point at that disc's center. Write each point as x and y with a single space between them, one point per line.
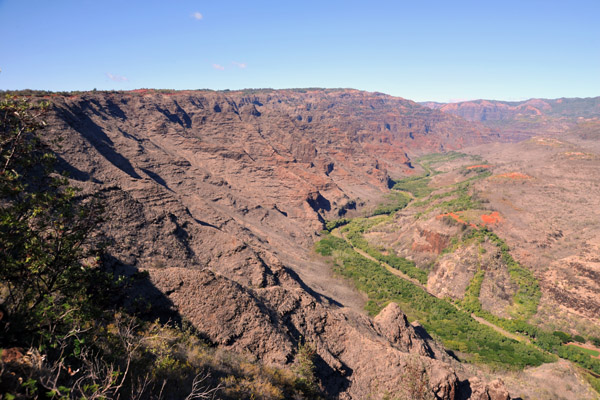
240 65
116 78
219 67
198 16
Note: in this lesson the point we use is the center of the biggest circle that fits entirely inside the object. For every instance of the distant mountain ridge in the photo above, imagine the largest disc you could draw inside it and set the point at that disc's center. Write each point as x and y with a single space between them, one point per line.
490 110
522 119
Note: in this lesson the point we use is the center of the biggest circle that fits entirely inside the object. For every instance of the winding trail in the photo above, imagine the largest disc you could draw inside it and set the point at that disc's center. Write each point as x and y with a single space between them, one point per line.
501 331
336 232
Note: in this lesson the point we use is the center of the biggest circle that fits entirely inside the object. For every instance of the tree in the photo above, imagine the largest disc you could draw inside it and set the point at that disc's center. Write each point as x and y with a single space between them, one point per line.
45 229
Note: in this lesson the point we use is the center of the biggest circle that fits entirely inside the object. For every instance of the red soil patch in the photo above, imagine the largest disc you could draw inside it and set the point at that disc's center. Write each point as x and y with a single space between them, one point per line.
516 176
479 166
434 242
492 218
457 218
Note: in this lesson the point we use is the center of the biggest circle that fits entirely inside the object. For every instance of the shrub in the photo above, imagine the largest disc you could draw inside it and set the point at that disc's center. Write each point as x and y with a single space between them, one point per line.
304 367
563 336
394 201
49 263
331 225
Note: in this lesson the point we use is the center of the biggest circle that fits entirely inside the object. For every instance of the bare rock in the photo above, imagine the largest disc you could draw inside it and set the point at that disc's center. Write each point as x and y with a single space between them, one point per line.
393 325
494 390
225 312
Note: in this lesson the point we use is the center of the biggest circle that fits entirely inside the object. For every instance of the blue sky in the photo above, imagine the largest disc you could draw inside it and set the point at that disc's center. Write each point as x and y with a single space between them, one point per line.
421 50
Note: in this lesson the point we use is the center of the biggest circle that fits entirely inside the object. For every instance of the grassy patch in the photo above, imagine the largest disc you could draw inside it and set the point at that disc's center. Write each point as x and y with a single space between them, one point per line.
592 353
579 356
436 158
331 225
329 243
471 300
394 201
417 186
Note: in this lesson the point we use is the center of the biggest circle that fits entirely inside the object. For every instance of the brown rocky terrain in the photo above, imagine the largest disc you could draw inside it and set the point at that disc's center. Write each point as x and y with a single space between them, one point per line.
219 197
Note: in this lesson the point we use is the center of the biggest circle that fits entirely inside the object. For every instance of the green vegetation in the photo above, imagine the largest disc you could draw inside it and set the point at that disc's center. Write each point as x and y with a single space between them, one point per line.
329 243
525 305
435 158
304 367
580 356
44 236
432 198
64 333
463 201
418 186
455 328
462 198
593 381
579 339
394 201
592 353
527 298
331 225
471 300
354 231
563 336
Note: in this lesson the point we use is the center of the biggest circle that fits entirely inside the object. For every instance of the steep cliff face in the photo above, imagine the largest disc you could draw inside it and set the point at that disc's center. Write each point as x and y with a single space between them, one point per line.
219 196
268 167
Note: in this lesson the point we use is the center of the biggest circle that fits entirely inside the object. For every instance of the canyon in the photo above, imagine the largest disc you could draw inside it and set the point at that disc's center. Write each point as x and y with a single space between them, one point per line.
221 196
